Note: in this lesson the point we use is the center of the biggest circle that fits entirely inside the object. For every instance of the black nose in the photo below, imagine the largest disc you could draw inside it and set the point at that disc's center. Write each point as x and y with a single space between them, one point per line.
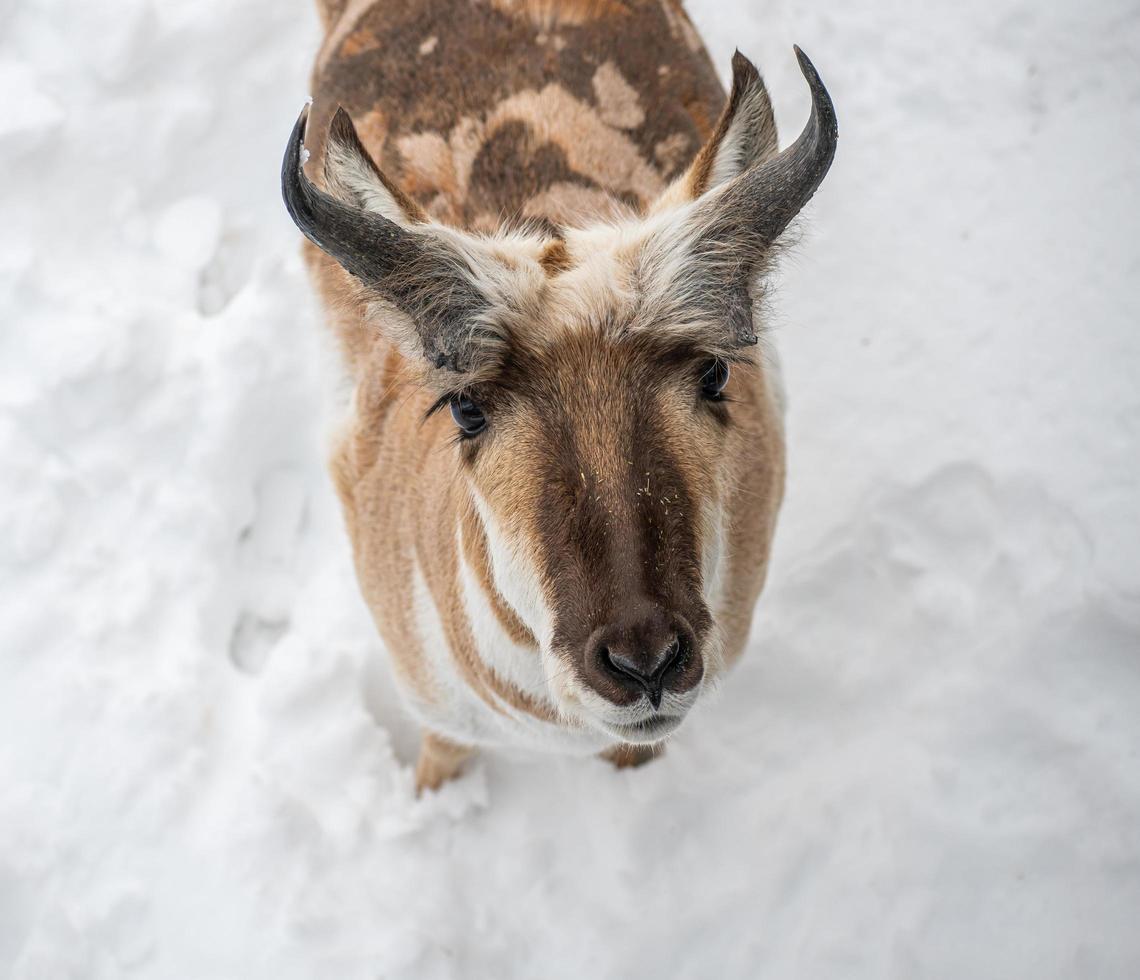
640 654
648 673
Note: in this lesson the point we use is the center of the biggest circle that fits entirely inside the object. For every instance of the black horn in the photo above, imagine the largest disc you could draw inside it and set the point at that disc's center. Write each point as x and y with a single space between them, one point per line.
415 270
366 244
781 186
734 225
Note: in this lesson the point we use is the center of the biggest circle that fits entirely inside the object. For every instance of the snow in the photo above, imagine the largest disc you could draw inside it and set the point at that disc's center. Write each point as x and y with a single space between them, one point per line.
927 766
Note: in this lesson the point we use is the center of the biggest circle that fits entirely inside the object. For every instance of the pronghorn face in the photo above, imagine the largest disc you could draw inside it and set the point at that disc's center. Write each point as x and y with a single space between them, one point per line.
599 475
591 378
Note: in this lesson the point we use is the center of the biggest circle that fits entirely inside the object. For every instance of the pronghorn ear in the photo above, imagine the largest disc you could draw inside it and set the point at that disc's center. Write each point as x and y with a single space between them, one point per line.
745 136
705 259
353 176
449 287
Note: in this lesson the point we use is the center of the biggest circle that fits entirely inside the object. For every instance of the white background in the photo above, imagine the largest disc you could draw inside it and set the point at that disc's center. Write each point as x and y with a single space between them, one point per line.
928 765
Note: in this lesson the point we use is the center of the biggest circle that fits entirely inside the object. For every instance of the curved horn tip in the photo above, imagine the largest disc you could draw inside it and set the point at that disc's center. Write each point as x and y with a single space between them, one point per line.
807 67
295 188
820 97
297 138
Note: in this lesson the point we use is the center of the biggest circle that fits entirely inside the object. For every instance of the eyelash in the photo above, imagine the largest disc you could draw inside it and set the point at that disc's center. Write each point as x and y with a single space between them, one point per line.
714 379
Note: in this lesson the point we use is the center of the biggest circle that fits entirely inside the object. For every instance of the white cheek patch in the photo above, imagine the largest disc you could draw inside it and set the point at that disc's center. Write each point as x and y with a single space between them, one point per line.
713 544
457 712
518 582
569 694
517 665
515 576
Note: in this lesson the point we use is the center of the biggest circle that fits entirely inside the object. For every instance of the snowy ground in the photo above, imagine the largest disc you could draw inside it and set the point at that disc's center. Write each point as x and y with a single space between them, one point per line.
929 764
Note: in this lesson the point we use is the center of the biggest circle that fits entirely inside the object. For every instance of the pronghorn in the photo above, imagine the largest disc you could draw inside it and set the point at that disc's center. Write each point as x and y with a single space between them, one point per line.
542 247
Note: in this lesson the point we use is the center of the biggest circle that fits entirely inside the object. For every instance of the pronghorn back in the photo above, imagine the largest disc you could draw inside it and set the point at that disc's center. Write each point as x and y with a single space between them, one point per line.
509 109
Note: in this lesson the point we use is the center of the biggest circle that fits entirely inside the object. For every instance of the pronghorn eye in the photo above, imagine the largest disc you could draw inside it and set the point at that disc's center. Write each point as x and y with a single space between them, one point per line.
713 379
468 416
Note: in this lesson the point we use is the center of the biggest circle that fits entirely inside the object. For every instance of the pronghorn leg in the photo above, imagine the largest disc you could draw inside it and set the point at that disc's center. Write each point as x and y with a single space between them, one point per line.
629 756
440 760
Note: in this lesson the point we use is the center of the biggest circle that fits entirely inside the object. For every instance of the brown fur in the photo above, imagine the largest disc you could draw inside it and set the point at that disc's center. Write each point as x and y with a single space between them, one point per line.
556 112
555 258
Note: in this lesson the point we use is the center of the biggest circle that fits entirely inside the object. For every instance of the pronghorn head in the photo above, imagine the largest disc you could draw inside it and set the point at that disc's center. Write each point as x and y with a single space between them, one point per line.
594 377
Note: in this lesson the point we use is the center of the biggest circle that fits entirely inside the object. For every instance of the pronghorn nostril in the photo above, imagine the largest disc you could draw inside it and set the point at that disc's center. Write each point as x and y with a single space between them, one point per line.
641 664
607 661
636 665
